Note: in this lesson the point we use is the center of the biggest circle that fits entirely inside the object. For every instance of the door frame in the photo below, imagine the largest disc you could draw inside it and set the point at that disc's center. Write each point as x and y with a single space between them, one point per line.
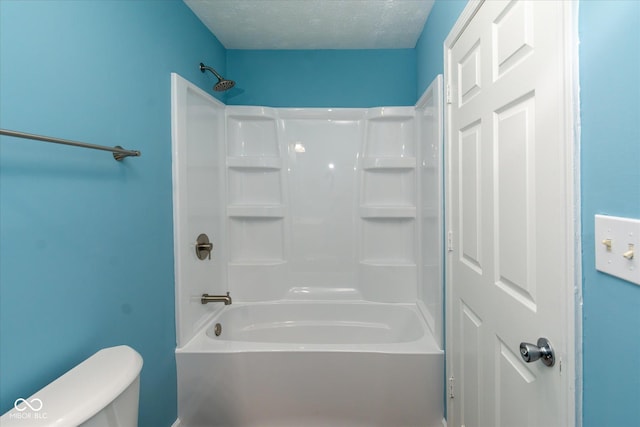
573 309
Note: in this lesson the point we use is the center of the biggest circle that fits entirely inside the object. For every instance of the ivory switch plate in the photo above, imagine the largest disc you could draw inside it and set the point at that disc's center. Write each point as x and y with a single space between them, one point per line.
618 247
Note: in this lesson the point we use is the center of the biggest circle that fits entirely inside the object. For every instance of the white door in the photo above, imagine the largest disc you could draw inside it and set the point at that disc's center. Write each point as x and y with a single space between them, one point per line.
510 214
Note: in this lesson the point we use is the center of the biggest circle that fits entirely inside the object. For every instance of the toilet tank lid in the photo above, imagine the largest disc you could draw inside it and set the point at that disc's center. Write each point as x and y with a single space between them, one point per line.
86 389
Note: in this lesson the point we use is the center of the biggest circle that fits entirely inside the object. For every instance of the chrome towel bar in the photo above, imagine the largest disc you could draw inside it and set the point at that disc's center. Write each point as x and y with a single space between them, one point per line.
119 153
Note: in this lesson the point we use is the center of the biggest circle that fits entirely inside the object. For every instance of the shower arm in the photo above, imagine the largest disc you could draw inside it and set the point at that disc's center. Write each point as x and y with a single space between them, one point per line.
205 67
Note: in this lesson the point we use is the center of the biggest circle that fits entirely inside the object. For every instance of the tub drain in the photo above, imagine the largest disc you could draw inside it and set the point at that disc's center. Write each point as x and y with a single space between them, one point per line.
217 329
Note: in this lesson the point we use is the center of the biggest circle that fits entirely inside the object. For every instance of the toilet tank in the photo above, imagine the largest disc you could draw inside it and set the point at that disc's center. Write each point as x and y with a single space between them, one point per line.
102 391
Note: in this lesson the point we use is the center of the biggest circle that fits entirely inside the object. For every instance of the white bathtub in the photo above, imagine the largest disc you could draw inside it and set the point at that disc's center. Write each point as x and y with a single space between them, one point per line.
308 364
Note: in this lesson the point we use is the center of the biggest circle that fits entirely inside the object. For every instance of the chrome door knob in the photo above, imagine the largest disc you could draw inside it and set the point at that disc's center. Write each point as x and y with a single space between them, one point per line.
544 351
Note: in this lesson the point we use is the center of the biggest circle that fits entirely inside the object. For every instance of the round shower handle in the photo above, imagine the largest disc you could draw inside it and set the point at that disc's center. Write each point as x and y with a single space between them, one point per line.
531 352
203 247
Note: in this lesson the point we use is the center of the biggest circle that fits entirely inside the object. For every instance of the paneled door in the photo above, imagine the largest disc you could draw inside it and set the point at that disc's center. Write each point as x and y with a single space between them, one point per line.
511 220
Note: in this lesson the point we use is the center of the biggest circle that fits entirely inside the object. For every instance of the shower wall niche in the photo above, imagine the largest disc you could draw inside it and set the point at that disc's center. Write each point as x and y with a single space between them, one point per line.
331 204
255 204
387 210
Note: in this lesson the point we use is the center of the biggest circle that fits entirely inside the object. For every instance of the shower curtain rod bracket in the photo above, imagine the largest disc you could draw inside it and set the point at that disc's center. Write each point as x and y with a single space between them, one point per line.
119 155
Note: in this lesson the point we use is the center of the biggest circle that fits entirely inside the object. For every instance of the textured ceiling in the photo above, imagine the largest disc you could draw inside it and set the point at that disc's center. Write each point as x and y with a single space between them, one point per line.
314 24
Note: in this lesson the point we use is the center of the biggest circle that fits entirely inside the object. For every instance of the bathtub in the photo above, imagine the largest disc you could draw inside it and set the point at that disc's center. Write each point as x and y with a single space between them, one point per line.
312 364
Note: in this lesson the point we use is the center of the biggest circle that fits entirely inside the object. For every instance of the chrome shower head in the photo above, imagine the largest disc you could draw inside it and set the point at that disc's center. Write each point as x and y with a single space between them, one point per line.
223 84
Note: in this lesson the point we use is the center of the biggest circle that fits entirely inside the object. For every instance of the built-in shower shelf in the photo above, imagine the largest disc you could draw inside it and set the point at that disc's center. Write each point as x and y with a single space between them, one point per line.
369 163
390 133
244 113
387 211
252 132
391 114
254 162
255 211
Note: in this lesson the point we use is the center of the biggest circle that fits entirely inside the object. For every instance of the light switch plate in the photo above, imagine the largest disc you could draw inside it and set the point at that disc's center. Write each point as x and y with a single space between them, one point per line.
613 236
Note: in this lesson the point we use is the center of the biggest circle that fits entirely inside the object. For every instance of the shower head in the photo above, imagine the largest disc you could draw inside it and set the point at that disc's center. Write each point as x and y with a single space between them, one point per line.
223 84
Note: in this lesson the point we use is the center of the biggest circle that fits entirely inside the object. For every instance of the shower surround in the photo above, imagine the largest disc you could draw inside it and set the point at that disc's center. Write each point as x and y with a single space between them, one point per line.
326 231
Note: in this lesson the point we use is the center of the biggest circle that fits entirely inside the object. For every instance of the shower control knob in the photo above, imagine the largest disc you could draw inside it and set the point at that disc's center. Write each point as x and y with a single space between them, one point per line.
203 247
544 351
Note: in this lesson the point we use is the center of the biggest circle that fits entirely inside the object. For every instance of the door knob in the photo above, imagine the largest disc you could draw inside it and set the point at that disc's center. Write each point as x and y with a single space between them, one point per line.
531 352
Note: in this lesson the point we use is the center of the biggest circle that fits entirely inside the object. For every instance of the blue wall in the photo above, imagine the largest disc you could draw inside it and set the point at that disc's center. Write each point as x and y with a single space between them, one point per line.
322 78
86 242
343 78
610 110
429 48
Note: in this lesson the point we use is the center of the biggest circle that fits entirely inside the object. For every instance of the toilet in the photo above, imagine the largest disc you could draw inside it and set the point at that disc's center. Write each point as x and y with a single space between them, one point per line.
102 391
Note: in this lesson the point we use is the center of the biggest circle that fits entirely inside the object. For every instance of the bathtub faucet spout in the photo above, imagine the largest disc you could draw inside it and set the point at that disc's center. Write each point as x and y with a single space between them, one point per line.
206 298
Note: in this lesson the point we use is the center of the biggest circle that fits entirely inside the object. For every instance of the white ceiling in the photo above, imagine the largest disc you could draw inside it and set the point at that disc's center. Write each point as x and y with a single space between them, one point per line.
314 24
